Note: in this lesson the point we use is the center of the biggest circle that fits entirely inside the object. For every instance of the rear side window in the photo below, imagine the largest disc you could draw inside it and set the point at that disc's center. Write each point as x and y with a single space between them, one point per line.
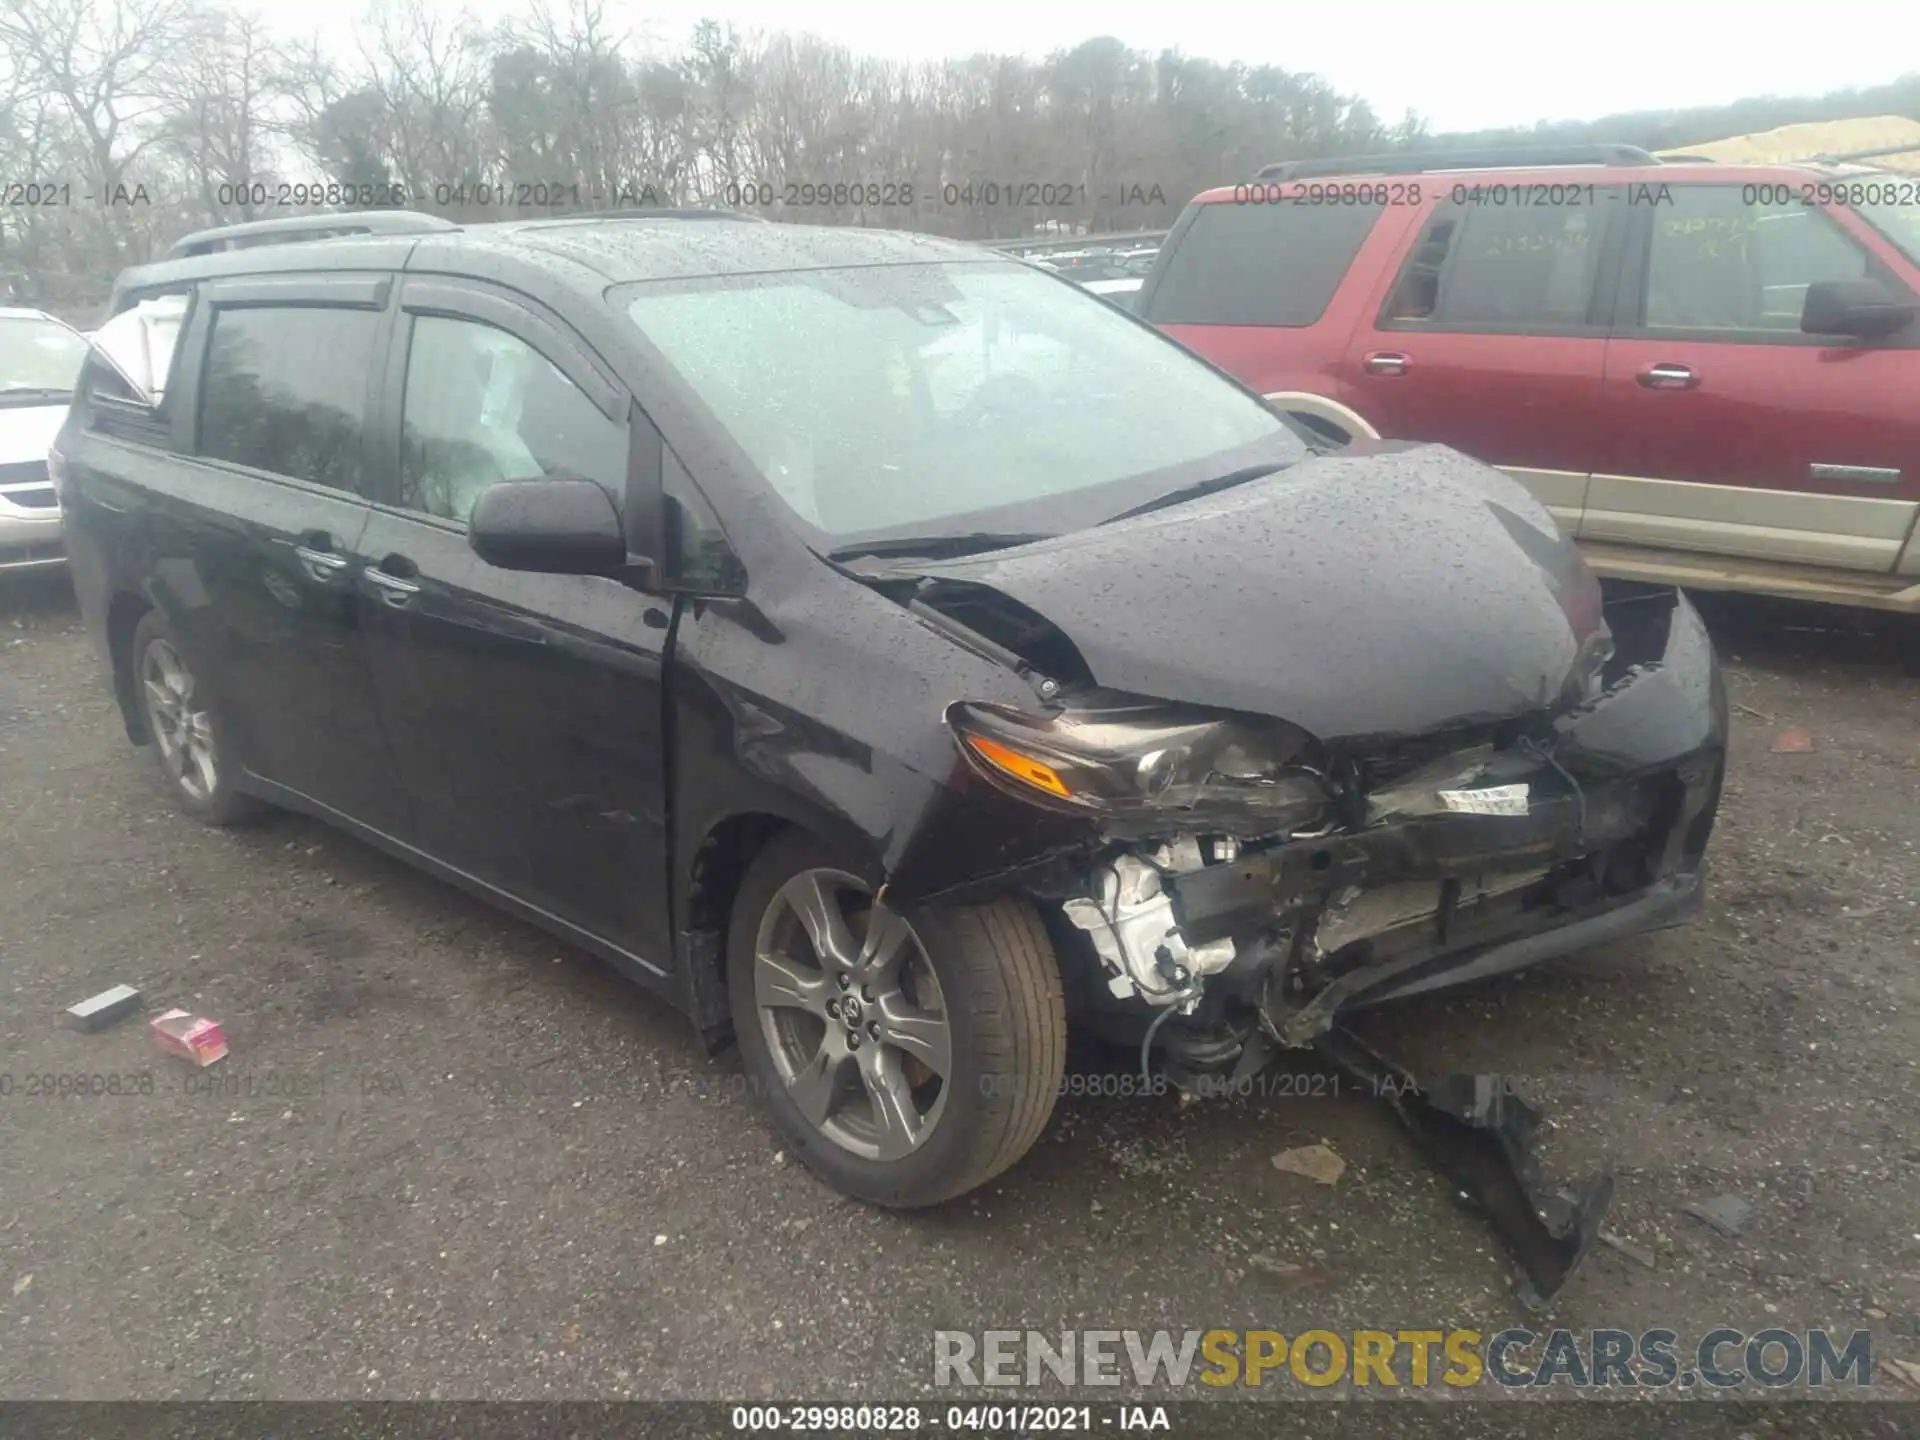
1259 264
286 390
1501 267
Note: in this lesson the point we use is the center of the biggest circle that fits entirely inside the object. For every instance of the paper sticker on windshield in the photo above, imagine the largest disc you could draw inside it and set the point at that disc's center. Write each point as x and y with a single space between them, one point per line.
1494 800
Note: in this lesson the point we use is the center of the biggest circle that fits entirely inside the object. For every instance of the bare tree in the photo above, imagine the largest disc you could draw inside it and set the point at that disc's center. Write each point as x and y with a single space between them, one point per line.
184 101
222 100
105 64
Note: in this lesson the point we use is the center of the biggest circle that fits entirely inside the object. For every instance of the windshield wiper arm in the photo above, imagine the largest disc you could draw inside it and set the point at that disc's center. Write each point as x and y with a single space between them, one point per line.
934 546
1201 487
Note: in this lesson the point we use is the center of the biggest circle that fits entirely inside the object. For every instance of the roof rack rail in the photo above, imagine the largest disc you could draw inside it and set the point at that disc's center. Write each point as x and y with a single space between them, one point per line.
1671 158
1041 244
292 228
1874 154
1413 162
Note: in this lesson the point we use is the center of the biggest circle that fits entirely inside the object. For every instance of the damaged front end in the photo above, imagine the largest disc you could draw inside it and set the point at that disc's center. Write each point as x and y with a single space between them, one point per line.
1253 877
1255 883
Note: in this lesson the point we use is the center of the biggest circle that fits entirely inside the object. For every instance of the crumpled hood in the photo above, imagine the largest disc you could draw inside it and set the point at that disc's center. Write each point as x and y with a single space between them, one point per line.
1354 594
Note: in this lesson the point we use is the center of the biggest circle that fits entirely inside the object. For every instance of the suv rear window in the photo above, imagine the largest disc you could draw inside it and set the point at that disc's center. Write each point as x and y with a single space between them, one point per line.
1259 264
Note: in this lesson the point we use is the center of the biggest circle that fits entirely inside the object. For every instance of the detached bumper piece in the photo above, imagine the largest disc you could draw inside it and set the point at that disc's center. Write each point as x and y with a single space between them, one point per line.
1481 1135
1666 903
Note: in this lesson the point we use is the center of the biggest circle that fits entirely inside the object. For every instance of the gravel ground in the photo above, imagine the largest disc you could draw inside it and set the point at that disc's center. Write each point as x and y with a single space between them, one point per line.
451 1158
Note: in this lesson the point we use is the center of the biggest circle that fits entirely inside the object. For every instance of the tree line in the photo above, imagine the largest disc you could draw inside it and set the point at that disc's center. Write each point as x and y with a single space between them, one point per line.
127 123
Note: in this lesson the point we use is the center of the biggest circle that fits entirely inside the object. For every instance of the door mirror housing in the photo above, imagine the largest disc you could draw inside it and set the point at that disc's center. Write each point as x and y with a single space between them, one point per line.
552 527
1865 309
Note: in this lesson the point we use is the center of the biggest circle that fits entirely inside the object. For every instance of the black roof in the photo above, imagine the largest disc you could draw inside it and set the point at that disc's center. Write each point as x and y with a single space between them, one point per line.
623 250
618 248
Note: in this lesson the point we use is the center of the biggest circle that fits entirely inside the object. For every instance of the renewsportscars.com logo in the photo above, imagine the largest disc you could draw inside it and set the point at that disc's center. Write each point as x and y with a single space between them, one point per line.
1720 1359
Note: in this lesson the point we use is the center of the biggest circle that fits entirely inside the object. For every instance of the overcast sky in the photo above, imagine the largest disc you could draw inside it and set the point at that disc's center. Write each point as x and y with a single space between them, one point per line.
1464 64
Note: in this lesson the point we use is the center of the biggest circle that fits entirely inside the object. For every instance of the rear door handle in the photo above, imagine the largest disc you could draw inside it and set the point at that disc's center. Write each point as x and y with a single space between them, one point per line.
1386 362
395 589
1668 377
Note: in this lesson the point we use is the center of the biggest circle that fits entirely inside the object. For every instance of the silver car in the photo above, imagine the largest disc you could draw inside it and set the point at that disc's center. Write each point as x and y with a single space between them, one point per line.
40 359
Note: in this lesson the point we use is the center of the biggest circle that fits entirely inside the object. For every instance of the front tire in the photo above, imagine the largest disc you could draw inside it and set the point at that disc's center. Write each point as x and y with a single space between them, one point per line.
907 1058
184 726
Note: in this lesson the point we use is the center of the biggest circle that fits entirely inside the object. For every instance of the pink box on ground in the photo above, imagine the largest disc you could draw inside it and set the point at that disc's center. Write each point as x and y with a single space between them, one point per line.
191 1037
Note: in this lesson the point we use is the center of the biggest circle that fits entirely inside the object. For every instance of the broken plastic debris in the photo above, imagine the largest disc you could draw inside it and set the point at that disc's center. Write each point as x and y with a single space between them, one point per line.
1791 741
1290 1275
192 1037
1725 1214
1626 1247
97 1012
1316 1162
1481 1135
1906 1370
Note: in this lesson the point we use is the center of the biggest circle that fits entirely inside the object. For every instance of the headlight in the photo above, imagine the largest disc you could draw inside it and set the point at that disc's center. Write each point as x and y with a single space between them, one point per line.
1147 760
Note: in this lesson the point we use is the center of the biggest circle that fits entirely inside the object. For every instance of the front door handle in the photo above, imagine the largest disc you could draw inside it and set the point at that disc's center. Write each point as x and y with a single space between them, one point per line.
1668 377
318 558
1386 362
395 589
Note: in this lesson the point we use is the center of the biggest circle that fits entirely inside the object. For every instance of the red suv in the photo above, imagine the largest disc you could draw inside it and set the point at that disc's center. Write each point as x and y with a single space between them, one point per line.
1709 373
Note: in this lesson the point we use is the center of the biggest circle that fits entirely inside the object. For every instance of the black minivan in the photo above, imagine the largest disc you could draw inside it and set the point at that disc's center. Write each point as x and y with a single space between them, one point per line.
881 648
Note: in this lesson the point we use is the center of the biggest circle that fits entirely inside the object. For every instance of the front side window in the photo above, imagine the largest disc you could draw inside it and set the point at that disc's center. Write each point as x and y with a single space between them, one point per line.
1717 262
901 397
1503 267
286 390
40 359
1891 204
483 407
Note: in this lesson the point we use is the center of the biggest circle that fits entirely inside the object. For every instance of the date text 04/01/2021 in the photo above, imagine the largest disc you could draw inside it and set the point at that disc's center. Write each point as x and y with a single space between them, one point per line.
956 1419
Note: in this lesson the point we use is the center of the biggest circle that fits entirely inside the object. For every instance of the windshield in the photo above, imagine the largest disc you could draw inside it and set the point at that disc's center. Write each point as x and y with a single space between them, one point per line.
900 398
39 356
1893 210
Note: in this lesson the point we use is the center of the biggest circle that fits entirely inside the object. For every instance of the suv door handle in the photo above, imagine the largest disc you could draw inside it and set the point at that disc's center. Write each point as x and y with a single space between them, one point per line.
317 556
395 589
1386 362
1668 377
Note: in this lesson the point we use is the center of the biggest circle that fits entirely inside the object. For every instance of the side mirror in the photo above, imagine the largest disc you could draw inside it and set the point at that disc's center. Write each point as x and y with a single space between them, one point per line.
551 527
1865 309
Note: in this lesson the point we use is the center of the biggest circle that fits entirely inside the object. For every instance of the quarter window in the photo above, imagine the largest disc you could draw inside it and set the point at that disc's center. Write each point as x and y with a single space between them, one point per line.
1715 262
483 407
286 391
1260 264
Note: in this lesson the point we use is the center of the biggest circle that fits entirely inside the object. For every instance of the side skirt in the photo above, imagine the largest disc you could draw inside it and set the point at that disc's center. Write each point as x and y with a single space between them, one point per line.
662 982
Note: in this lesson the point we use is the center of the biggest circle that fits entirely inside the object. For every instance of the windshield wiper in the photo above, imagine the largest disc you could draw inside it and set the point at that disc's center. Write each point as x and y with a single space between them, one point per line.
935 546
1201 487
10 391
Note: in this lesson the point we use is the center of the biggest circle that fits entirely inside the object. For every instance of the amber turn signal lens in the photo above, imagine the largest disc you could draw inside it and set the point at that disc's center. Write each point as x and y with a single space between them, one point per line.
1021 767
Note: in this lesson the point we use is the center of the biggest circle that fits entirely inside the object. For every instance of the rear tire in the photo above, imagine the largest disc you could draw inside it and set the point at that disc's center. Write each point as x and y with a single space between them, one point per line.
845 1056
184 727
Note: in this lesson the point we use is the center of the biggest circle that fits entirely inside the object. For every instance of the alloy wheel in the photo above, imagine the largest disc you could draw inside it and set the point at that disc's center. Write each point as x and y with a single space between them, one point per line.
180 724
852 1014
